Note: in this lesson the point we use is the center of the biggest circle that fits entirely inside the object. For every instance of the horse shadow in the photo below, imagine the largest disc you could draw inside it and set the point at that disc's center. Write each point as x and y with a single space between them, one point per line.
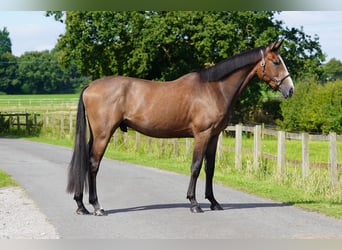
204 206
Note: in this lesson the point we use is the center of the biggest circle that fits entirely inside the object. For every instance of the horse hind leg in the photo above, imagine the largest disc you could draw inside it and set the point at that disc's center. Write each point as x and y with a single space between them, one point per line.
98 148
80 206
100 134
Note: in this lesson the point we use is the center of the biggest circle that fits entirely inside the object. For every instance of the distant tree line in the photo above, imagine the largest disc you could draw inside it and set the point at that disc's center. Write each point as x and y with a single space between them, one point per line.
35 72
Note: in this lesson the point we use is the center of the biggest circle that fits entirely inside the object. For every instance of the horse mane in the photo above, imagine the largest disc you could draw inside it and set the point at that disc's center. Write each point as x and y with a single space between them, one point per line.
224 68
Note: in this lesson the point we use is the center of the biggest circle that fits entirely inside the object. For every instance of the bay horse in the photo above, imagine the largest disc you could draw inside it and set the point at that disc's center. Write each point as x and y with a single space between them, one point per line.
195 105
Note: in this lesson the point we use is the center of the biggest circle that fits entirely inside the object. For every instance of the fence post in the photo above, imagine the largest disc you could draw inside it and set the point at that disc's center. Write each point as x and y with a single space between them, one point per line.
126 139
238 146
35 123
115 138
62 124
219 146
333 159
257 146
281 153
27 123
46 119
305 155
187 146
137 140
149 142
18 122
70 124
175 147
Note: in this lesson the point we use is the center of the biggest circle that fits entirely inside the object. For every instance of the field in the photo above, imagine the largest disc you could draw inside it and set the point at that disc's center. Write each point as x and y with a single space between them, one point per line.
314 192
37 103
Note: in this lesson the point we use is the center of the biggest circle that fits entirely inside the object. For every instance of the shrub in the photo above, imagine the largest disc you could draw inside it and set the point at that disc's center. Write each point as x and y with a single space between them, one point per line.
313 108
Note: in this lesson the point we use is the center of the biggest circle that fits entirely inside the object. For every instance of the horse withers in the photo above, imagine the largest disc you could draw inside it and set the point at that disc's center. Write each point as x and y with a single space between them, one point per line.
195 105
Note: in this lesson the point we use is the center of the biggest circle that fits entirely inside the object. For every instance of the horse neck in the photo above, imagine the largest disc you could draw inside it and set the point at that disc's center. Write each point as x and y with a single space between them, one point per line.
232 86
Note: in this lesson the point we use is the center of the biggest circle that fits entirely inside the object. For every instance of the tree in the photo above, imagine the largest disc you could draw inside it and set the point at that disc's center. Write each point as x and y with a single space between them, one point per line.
332 70
165 45
8 74
314 108
5 42
8 64
41 73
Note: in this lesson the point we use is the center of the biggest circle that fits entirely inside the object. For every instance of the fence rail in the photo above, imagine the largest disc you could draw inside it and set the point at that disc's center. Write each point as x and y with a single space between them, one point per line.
258 133
35 105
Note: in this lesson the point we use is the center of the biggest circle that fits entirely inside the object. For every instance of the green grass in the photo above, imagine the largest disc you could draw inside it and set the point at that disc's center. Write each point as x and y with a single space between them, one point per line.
37 103
6 180
313 193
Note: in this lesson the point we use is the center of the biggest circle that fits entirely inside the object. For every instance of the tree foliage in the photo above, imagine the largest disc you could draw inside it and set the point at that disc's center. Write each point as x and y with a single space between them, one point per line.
332 70
8 65
314 108
166 45
5 42
35 72
8 74
41 73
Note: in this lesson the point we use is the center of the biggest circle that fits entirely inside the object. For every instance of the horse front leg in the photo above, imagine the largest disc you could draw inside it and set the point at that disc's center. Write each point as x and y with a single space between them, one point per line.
210 157
191 194
200 145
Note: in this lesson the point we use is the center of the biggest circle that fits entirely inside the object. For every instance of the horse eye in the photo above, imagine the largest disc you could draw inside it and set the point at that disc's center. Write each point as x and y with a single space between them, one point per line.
276 62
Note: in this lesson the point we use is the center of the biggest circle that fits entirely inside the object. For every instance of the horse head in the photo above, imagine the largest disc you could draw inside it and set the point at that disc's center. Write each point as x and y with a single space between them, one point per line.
273 71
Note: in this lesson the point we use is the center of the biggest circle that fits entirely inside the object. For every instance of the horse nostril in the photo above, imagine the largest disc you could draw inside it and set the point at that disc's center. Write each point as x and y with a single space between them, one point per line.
290 92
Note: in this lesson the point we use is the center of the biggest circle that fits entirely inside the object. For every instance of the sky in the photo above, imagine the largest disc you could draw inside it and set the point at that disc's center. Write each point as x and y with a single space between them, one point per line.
32 31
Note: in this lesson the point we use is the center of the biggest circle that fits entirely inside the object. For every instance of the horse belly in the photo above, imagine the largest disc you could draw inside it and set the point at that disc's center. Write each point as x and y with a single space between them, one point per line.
161 124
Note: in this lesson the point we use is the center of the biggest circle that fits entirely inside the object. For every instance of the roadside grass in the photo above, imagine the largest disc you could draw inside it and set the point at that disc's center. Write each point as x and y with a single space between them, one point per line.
6 180
313 193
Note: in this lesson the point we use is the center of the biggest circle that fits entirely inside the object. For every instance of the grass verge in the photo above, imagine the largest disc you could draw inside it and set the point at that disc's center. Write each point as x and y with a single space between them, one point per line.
6 180
313 193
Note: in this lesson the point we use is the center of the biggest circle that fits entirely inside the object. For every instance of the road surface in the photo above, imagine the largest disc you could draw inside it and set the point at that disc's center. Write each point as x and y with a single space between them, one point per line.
146 203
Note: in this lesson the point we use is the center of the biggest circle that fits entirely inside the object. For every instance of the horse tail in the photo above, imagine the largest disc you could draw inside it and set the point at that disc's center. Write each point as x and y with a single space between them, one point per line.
79 164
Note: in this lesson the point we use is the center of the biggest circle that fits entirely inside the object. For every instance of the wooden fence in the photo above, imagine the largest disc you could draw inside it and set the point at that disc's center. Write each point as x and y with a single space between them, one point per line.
18 121
259 132
63 123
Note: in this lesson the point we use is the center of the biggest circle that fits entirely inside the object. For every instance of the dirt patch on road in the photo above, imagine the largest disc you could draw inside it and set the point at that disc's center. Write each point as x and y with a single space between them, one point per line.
20 218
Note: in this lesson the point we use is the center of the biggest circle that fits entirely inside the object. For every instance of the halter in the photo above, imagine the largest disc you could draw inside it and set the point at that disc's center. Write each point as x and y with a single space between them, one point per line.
278 82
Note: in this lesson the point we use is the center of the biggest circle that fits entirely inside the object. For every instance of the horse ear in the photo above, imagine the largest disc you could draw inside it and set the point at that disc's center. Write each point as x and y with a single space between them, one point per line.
276 45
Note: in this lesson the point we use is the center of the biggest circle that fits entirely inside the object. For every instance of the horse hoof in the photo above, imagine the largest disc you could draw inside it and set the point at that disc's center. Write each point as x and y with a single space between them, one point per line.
82 211
216 207
196 209
100 212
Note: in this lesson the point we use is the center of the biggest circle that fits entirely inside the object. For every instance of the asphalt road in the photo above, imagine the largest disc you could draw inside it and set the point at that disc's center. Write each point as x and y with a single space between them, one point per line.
146 203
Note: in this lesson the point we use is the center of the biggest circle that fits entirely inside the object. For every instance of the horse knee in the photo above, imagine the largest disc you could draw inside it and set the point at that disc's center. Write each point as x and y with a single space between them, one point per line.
195 171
